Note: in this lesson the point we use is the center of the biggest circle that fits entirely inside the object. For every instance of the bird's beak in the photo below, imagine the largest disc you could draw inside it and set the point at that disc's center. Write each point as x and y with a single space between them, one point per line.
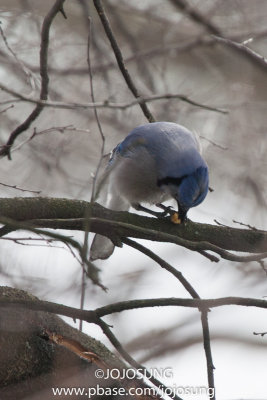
182 213
180 216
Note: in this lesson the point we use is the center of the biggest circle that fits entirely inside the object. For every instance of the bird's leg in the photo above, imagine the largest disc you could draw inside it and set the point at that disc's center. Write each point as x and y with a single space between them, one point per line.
167 210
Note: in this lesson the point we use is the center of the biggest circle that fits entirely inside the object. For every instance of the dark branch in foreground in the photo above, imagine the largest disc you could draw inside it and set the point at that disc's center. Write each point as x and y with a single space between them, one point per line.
69 214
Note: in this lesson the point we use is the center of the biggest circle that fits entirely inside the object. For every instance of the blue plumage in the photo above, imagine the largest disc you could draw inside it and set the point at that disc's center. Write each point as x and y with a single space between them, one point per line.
153 163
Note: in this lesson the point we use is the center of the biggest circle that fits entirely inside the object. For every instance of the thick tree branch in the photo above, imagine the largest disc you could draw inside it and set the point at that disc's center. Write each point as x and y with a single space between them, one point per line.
40 351
88 316
92 316
69 214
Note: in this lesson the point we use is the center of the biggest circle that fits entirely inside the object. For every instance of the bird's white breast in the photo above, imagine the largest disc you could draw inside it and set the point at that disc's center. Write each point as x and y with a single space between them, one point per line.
135 179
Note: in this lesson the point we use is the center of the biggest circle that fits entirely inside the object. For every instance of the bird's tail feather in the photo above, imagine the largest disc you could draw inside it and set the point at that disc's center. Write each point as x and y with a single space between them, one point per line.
102 247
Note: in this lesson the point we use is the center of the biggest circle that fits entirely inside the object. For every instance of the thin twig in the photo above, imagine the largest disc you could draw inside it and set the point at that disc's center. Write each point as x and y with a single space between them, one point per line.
207 348
107 104
213 143
119 57
7 108
11 225
82 298
252 55
101 133
20 189
30 75
58 6
102 150
253 228
60 129
260 333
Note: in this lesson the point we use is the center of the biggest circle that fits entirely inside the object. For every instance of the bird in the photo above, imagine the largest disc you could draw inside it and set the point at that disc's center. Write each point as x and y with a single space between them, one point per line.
155 162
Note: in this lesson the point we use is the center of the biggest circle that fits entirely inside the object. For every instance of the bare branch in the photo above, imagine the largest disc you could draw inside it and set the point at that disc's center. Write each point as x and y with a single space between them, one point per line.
96 315
127 357
204 313
196 16
252 55
20 189
207 348
218 35
175 272
107 104
58 6
69 214
30 75
202 304
119 58
6 109
260 333
92 316
247 225
214 144
11 225
60 129
198 246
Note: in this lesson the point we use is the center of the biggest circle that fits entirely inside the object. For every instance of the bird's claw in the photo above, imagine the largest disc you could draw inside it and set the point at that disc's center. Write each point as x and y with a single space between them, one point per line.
168 210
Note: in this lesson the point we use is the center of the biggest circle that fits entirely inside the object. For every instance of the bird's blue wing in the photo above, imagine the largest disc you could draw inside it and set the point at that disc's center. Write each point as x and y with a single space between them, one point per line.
174 148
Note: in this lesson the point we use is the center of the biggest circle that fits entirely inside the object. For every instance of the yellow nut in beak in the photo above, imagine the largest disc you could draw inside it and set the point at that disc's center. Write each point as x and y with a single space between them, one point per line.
175 218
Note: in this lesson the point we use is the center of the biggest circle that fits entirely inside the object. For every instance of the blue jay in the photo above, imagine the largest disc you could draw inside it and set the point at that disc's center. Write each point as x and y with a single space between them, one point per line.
154 163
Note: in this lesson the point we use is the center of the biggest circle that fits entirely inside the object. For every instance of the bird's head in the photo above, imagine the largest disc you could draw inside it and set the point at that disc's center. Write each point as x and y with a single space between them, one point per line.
192 191
188 190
